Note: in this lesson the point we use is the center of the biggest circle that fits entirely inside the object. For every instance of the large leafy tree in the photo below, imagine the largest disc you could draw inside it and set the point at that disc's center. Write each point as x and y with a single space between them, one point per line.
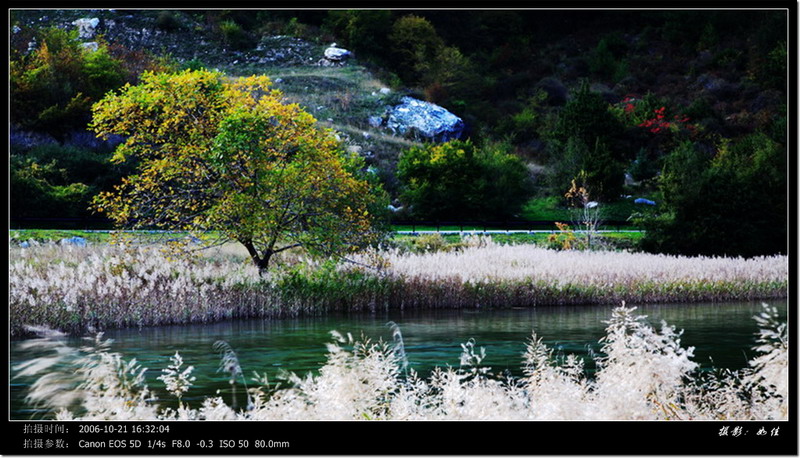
224 155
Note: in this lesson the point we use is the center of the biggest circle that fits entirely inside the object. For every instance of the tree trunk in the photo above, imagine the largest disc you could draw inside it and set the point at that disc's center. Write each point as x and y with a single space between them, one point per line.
261 261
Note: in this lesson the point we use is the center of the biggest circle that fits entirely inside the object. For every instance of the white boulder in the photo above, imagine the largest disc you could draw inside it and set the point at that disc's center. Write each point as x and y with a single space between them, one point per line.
87 27
335 54
427 119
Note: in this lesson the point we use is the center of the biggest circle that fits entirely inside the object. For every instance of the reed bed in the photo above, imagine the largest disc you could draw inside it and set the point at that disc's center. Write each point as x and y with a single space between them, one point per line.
482 273
78 288
643 374
74 289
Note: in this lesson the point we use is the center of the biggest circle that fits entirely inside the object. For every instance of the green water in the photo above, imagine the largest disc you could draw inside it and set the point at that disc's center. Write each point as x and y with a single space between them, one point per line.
723 336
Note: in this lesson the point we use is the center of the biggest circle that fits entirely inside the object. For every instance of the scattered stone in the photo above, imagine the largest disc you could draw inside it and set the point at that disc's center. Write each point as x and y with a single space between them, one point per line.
354 149
90 46
375 121
75 241
716 86
26 140
87 27
385 91
430 121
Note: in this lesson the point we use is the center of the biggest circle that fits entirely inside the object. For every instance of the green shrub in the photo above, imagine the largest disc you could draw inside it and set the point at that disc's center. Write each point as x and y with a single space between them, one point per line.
56 181
606 59
415 45
586 117
732 204
41 191
167 21
234 36
460 181
586 138
774 70
193 65
365 31
53 87
644 167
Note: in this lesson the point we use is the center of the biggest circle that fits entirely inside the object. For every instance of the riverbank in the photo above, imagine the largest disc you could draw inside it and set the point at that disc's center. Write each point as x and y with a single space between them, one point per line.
78 288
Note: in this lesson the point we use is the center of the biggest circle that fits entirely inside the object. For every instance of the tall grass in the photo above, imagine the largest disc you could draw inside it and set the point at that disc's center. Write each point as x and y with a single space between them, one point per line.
643 374
482 273
74 289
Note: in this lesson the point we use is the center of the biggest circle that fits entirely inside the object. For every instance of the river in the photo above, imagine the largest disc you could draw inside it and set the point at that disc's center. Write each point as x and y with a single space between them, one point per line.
723 335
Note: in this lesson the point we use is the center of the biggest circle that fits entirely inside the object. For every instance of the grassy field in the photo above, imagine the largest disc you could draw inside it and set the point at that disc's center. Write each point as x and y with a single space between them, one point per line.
17 236
553 209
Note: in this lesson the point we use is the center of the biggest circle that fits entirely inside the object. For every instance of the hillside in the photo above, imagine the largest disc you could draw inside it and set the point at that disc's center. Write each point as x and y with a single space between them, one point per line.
521 81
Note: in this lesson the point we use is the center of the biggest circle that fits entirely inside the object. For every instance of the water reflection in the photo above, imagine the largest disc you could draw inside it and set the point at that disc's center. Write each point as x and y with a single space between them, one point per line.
723 336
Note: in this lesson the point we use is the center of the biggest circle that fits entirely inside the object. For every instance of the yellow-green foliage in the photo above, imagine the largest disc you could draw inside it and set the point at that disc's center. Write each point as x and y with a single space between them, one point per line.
229 156
53 86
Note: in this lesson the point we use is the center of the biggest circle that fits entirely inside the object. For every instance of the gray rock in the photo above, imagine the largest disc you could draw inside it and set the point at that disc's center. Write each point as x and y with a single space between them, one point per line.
335 54
428 120
87 27
717 87
385 91
90 46
76 241
375 121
